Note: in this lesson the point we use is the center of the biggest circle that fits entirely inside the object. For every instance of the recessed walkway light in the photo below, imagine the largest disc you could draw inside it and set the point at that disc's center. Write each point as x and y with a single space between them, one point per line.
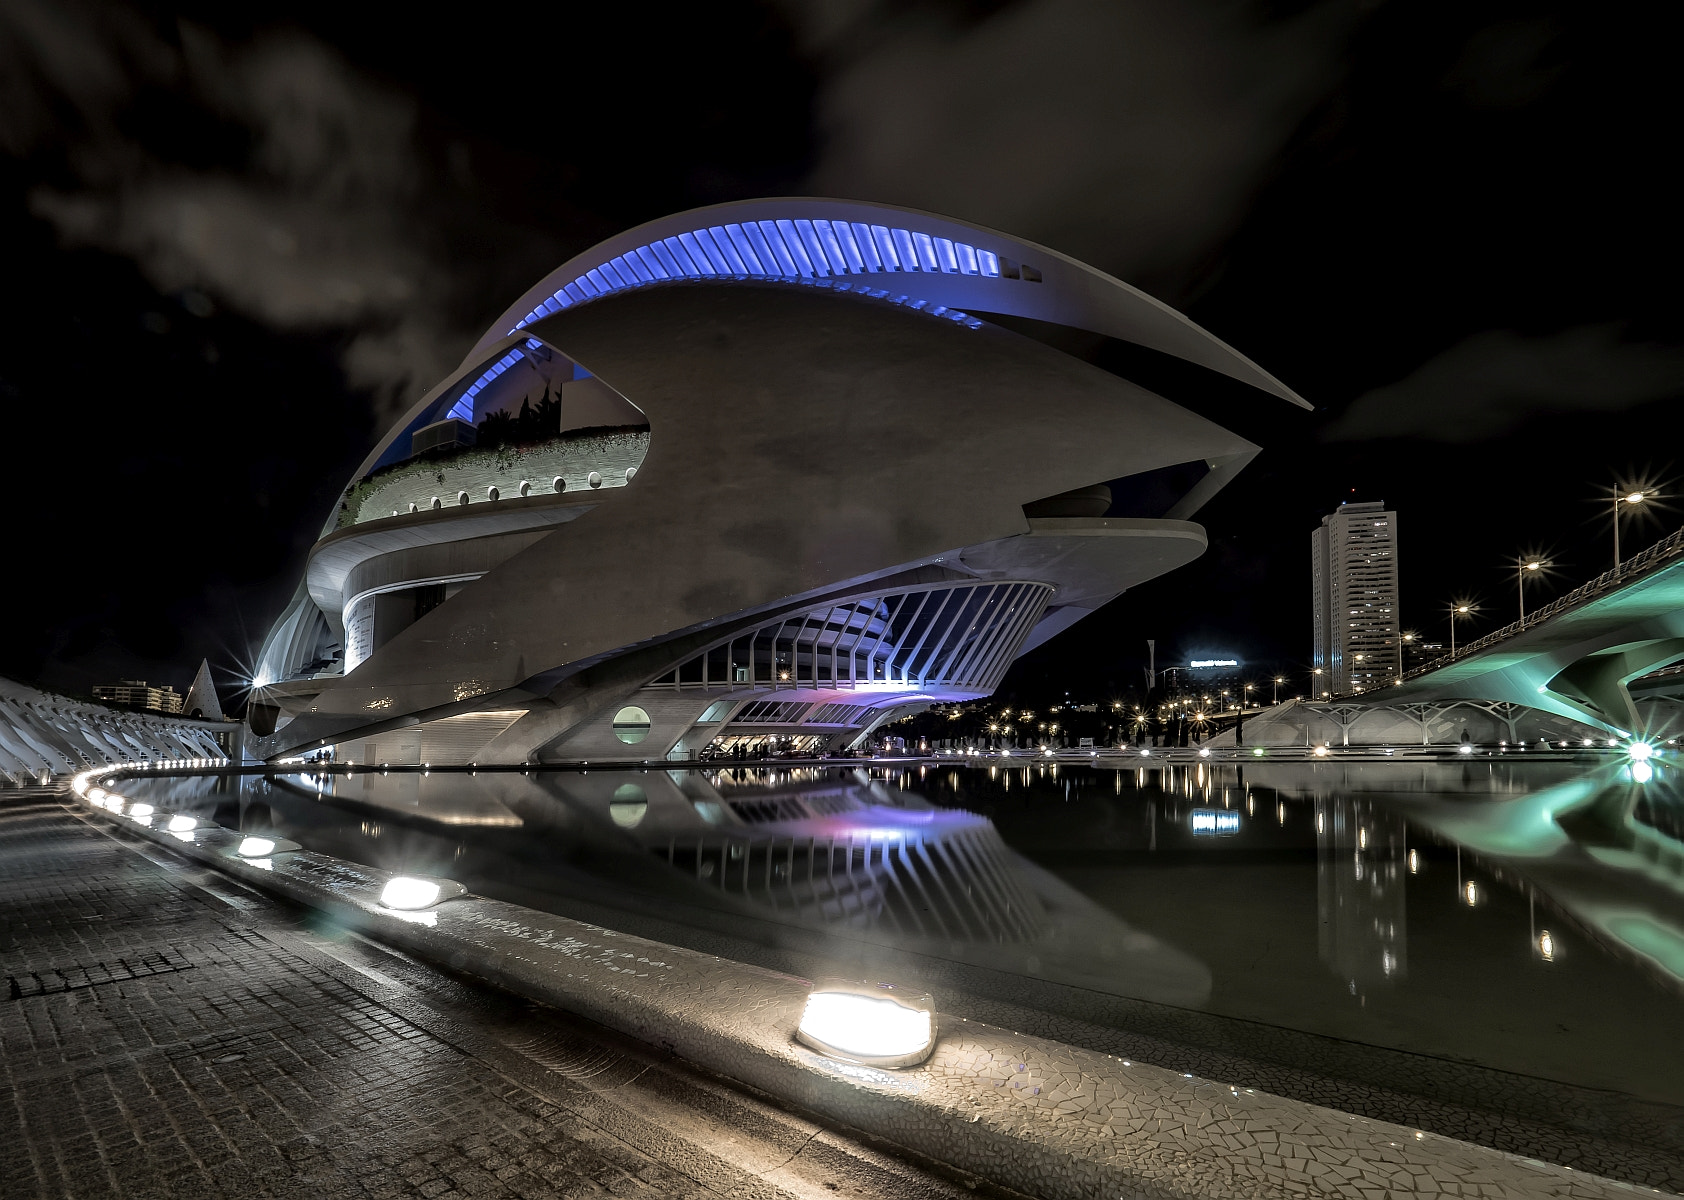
262 847
873 1024
407 893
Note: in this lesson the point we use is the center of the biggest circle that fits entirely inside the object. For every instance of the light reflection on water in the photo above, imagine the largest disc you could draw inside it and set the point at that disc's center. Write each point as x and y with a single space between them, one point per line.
1528 918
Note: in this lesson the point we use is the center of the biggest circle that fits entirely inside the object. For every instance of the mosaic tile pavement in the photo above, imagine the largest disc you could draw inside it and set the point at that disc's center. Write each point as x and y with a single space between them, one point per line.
166 1033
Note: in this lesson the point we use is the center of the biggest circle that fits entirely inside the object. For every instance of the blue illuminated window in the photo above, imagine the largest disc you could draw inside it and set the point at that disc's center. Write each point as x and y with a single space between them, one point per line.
788 251
463 409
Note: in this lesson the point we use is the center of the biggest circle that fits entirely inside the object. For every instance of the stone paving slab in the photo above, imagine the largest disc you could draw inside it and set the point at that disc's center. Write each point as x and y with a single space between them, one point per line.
1044 1118
259 1056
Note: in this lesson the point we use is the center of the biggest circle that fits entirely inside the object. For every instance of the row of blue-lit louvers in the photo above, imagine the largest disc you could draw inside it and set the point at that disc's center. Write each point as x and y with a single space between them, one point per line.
799 251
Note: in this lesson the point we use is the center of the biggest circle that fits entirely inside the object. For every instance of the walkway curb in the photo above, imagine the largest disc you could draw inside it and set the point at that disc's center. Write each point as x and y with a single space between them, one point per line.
1043 1118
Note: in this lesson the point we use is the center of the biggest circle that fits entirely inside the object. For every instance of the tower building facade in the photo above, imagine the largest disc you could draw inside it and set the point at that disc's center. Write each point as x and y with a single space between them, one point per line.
1354 580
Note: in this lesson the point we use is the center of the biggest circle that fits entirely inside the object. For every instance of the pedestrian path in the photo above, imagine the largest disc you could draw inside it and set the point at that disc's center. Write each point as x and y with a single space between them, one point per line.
166 1032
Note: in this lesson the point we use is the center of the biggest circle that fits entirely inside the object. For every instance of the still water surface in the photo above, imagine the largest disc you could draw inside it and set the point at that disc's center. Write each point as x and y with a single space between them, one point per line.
1527 918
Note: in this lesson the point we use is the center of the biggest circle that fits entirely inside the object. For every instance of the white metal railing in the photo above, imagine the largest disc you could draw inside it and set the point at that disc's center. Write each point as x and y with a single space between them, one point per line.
1639 564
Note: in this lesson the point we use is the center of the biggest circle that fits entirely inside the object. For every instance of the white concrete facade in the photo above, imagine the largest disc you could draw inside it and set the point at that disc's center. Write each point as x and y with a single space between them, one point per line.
820 436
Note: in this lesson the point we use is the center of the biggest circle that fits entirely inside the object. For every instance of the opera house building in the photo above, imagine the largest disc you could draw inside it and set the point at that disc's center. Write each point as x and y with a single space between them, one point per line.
771 472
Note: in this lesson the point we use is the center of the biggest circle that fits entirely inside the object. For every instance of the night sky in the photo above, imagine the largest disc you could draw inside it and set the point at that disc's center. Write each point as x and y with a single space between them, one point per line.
238 240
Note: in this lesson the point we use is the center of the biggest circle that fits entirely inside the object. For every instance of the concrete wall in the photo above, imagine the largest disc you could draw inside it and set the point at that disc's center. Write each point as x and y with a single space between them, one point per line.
574 458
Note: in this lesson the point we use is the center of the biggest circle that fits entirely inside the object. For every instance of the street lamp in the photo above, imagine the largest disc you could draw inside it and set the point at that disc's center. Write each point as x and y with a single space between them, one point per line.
1315 683
1245 698
1522 568
1458 610
1278 681
1630 499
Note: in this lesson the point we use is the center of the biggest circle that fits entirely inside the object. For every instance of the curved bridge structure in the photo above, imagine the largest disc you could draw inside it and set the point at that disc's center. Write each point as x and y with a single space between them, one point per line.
759 472
1577 656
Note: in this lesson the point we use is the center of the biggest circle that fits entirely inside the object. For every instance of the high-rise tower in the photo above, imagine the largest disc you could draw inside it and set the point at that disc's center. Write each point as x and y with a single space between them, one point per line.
1354 575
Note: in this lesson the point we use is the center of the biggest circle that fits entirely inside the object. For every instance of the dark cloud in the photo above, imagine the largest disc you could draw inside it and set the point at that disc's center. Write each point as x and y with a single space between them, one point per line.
1492 382
1129 133
313 228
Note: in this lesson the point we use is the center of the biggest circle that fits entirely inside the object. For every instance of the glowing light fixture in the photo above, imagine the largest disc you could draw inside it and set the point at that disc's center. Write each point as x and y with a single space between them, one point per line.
873 1024
263 847
1546 945
1321 751
1642 772
408 893
1640 751
182 823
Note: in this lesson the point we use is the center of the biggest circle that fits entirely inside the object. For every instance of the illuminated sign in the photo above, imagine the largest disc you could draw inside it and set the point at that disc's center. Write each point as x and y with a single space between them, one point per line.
1214 662
1210 821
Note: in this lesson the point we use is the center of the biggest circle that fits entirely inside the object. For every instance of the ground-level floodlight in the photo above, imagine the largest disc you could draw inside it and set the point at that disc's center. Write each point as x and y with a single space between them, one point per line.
407 893
262 847
874 1024
1640 751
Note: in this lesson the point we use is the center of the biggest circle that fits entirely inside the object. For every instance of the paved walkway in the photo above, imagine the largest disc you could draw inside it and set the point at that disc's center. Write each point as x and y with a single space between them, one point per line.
165 1032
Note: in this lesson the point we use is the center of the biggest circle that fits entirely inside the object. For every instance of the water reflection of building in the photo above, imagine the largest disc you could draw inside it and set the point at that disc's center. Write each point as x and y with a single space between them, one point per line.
1360 881
856 854
846 865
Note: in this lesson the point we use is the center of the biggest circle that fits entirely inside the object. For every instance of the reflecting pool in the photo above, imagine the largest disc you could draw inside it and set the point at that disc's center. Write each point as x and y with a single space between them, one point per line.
1500 936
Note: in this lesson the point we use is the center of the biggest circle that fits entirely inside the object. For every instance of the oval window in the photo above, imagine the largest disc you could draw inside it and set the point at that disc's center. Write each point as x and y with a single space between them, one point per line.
628 805
525 488
631 474
461 497
595 480
631 725
491 493
560 484
437 503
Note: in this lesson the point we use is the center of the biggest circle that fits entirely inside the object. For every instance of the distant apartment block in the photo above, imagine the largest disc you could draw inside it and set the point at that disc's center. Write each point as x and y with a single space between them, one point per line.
1354 575
134 693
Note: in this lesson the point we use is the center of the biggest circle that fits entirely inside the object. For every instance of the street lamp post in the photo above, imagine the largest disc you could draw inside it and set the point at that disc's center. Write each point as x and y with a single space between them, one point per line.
1521 568
1631 499
1278 681
1315 682
1457 610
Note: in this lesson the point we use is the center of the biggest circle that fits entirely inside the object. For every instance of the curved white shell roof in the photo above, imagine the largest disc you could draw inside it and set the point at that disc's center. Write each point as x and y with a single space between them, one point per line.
930 262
